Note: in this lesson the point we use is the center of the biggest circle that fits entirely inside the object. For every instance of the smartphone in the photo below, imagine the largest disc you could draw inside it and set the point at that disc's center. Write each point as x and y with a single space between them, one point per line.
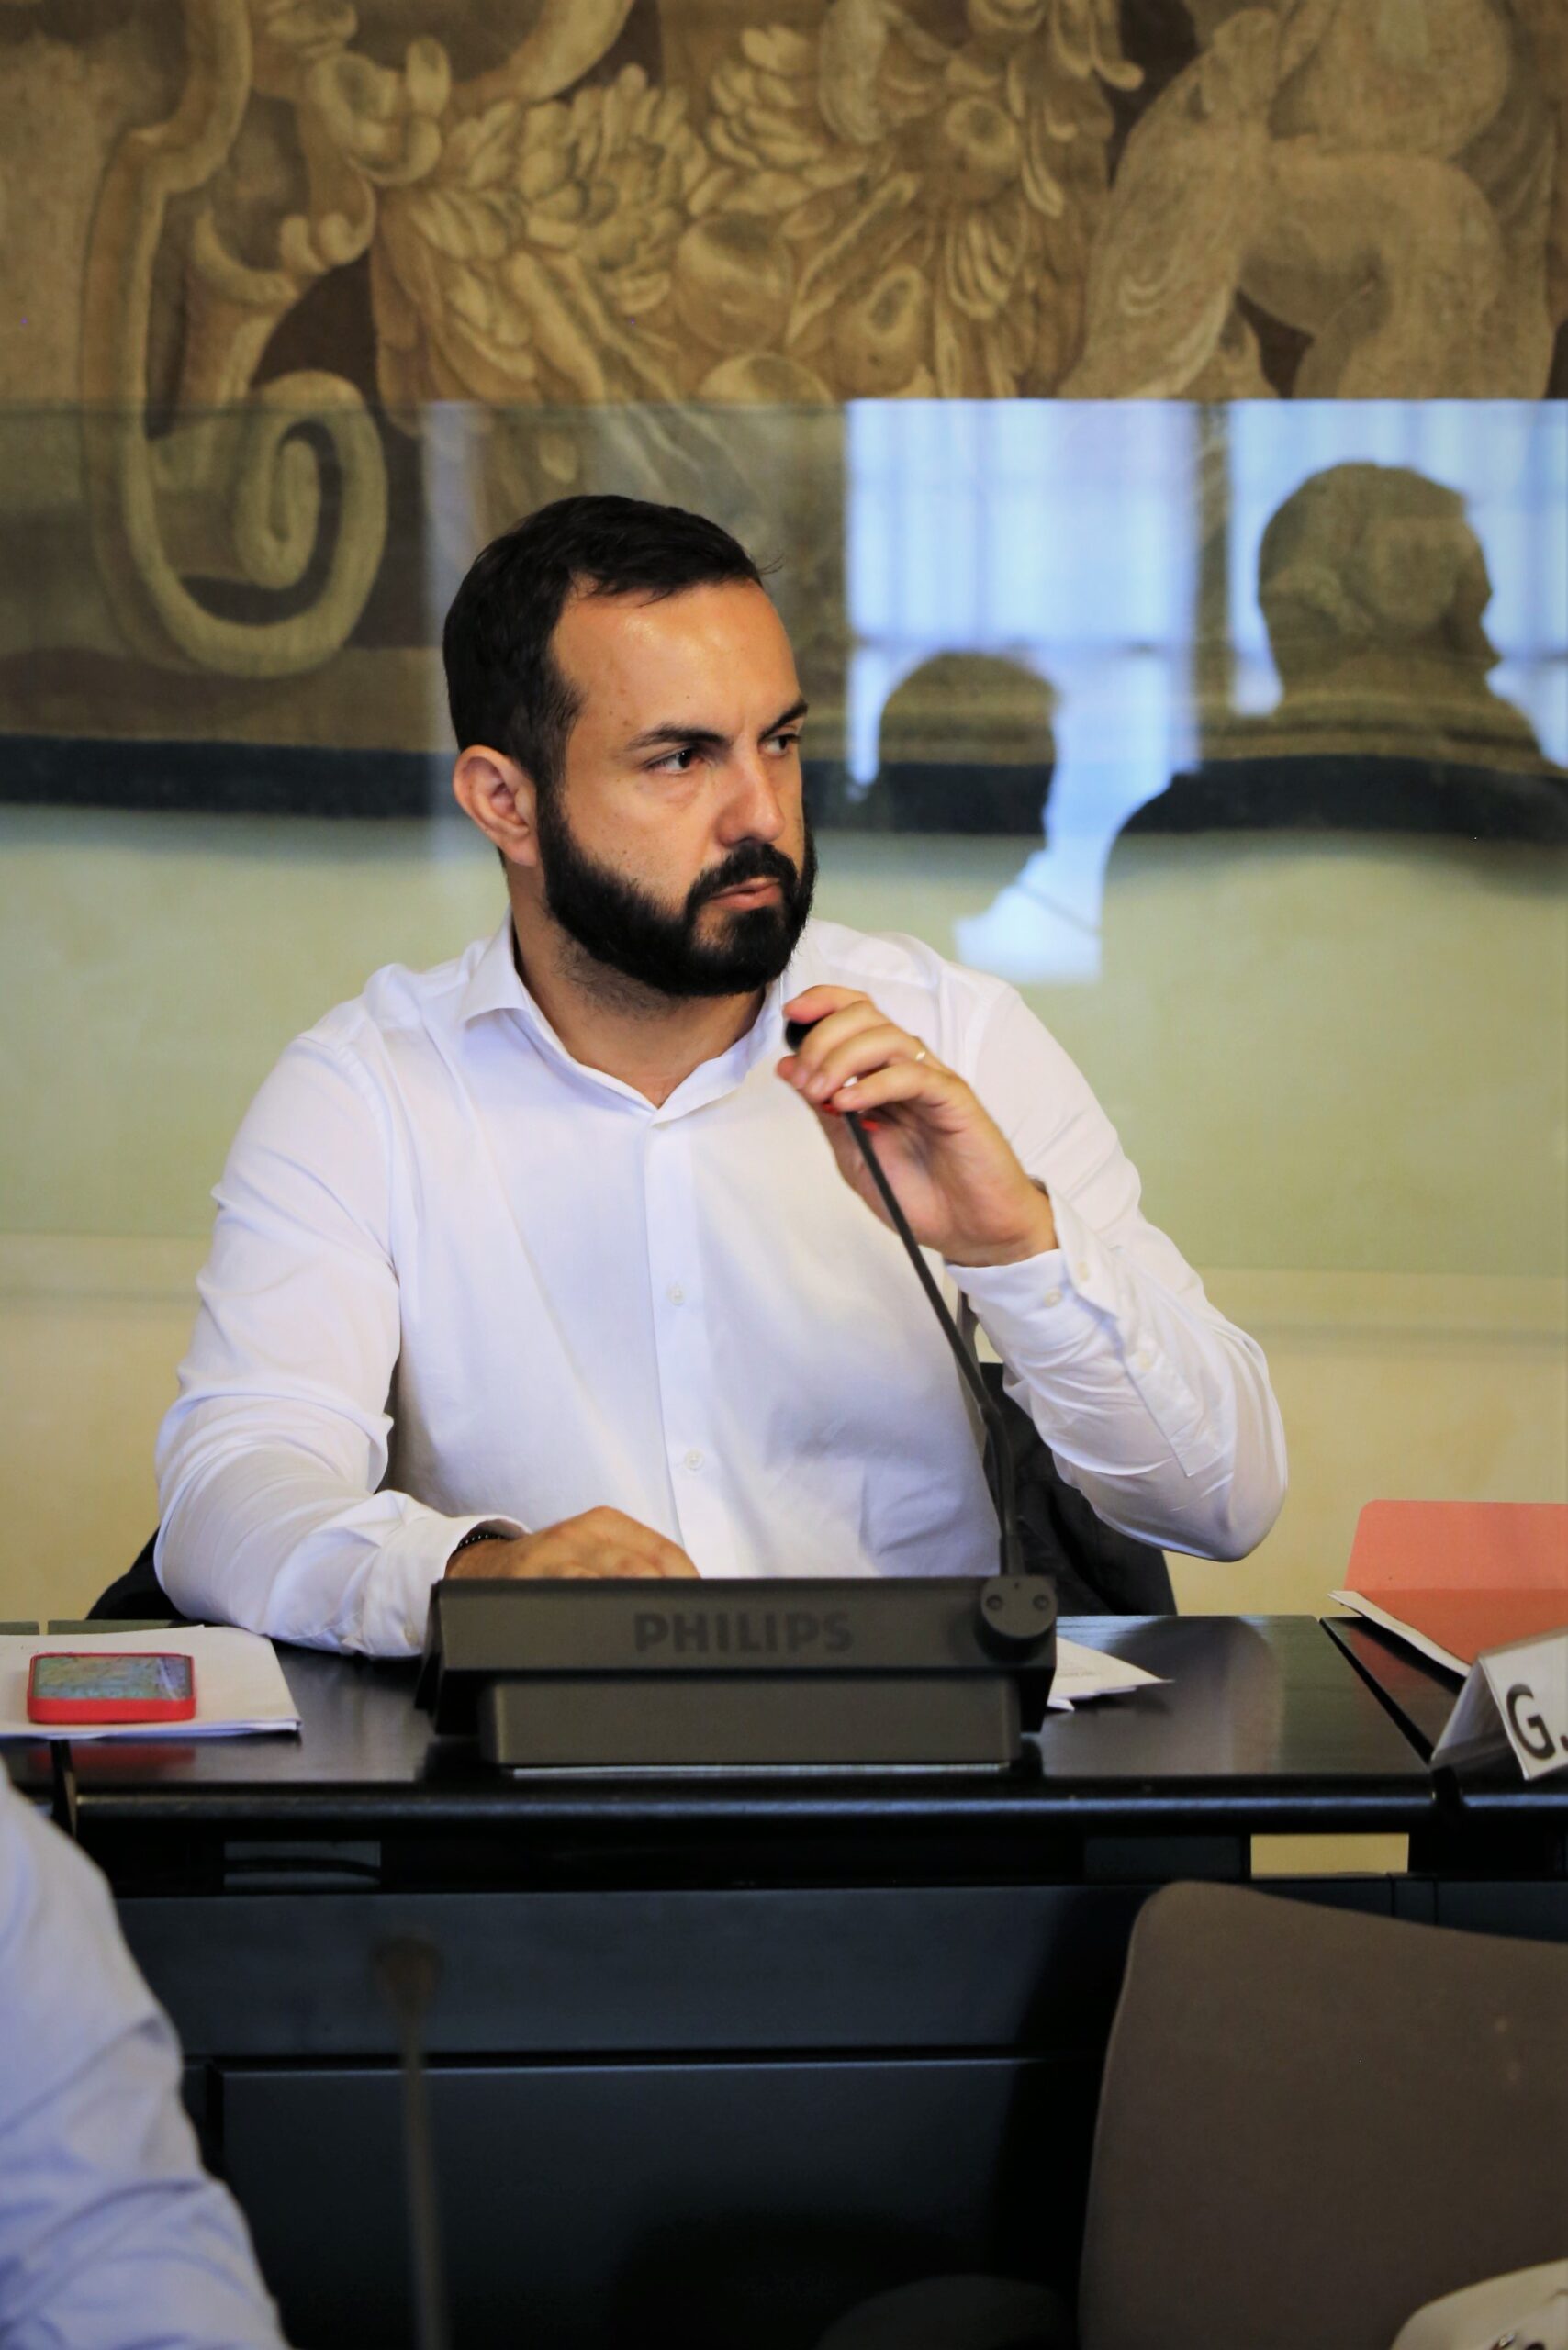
111 1685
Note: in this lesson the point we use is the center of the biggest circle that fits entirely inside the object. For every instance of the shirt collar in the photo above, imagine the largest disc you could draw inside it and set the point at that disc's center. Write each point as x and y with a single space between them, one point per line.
495 984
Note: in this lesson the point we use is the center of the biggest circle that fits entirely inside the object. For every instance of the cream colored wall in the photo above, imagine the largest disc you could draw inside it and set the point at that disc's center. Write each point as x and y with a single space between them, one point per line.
1342 1071
90 1333
1320 1052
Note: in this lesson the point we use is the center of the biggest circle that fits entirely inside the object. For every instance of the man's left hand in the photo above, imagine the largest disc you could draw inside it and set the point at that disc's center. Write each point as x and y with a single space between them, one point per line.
952 1170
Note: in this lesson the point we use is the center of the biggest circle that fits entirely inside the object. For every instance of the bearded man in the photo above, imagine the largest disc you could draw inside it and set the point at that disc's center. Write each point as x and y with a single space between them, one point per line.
554 1261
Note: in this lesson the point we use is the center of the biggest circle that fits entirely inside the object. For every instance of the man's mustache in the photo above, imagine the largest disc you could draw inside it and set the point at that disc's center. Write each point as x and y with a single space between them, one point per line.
751 861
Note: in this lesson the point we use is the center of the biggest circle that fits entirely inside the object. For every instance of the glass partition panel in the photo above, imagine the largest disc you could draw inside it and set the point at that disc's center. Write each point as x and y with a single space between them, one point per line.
1236 738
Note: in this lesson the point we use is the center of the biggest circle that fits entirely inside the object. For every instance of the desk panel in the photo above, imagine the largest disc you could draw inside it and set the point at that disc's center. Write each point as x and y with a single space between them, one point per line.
609 2207
701 1971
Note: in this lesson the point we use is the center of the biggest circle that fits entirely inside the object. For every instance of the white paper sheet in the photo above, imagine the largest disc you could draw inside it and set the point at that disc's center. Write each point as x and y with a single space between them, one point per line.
238 1683
1082 1673
1360 1605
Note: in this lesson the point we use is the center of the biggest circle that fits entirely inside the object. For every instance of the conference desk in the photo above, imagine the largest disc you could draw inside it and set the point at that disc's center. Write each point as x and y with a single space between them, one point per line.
1488 1829
716 2056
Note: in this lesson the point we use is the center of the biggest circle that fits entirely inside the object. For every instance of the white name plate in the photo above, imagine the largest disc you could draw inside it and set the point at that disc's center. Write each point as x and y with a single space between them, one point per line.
1515 1700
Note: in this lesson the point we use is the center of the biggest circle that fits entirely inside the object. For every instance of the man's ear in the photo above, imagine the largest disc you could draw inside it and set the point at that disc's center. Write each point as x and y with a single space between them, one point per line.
496 794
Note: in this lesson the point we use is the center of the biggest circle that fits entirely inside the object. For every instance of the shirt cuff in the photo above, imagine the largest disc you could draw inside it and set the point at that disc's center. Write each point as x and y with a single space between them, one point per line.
1040 1311
413 1561
1072 1318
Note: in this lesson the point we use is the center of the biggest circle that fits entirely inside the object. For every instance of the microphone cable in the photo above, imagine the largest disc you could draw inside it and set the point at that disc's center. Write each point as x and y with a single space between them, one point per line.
1000 1475
407 1971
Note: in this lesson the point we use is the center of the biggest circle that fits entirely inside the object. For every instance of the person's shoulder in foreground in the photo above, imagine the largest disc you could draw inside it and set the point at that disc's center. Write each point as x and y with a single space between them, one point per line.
112 2236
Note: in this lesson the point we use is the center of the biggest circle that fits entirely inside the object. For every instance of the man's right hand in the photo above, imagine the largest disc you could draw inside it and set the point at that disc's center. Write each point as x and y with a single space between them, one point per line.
602 1545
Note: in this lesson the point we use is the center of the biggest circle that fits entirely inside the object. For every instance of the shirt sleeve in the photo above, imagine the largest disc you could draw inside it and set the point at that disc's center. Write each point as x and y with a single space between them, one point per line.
1155 1406
270 1461
112 2236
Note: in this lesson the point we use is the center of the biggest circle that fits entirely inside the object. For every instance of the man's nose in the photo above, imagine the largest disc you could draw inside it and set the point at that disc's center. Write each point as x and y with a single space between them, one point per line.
753 808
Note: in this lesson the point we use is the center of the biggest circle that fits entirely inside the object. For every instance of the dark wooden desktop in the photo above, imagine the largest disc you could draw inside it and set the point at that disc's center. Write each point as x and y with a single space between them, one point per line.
720 2057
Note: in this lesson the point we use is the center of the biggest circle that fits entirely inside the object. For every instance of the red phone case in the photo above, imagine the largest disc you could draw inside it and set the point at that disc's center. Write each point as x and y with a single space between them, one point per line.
55 1711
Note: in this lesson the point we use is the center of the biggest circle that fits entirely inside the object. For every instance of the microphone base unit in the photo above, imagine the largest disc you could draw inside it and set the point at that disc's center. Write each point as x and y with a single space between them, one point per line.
790 1725
783 1677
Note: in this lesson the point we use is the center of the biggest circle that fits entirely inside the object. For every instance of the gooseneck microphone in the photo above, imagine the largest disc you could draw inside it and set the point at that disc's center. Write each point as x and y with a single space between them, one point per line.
408 1971
999 1455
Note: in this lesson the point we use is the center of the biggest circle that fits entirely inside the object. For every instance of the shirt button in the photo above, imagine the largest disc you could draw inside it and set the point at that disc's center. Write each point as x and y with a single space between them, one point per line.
694 1459
675 1295
1053 1297
1080 1271
1144 1357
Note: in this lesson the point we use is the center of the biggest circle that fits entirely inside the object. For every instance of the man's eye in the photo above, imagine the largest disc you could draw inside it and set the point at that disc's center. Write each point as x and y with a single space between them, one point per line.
677 762
787 740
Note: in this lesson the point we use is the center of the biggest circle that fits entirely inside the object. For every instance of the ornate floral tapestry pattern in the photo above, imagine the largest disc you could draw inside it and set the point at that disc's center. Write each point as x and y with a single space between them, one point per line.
290 232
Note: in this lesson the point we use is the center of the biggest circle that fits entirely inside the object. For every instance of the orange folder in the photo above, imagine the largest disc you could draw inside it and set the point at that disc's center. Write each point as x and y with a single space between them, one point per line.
1453 1578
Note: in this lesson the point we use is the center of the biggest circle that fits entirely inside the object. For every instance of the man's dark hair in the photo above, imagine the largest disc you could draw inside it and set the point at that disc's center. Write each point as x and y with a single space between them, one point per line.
504 686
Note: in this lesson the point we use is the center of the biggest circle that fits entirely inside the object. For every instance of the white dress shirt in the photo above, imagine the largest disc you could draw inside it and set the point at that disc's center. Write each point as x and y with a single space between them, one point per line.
112 2236
458 1278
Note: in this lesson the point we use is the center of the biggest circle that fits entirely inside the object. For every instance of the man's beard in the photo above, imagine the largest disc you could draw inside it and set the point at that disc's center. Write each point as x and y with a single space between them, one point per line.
620 926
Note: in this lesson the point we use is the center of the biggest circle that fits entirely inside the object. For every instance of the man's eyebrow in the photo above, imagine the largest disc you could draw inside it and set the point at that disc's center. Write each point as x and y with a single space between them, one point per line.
706 738
653 736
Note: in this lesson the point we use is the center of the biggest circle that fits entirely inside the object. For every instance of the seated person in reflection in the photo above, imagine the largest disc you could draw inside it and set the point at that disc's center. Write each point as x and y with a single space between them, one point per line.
1373 586
558 1244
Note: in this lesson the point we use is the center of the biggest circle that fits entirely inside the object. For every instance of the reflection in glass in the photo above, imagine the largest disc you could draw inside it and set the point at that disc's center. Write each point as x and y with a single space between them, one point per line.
1063 539
1377 593
1373 586
966 745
